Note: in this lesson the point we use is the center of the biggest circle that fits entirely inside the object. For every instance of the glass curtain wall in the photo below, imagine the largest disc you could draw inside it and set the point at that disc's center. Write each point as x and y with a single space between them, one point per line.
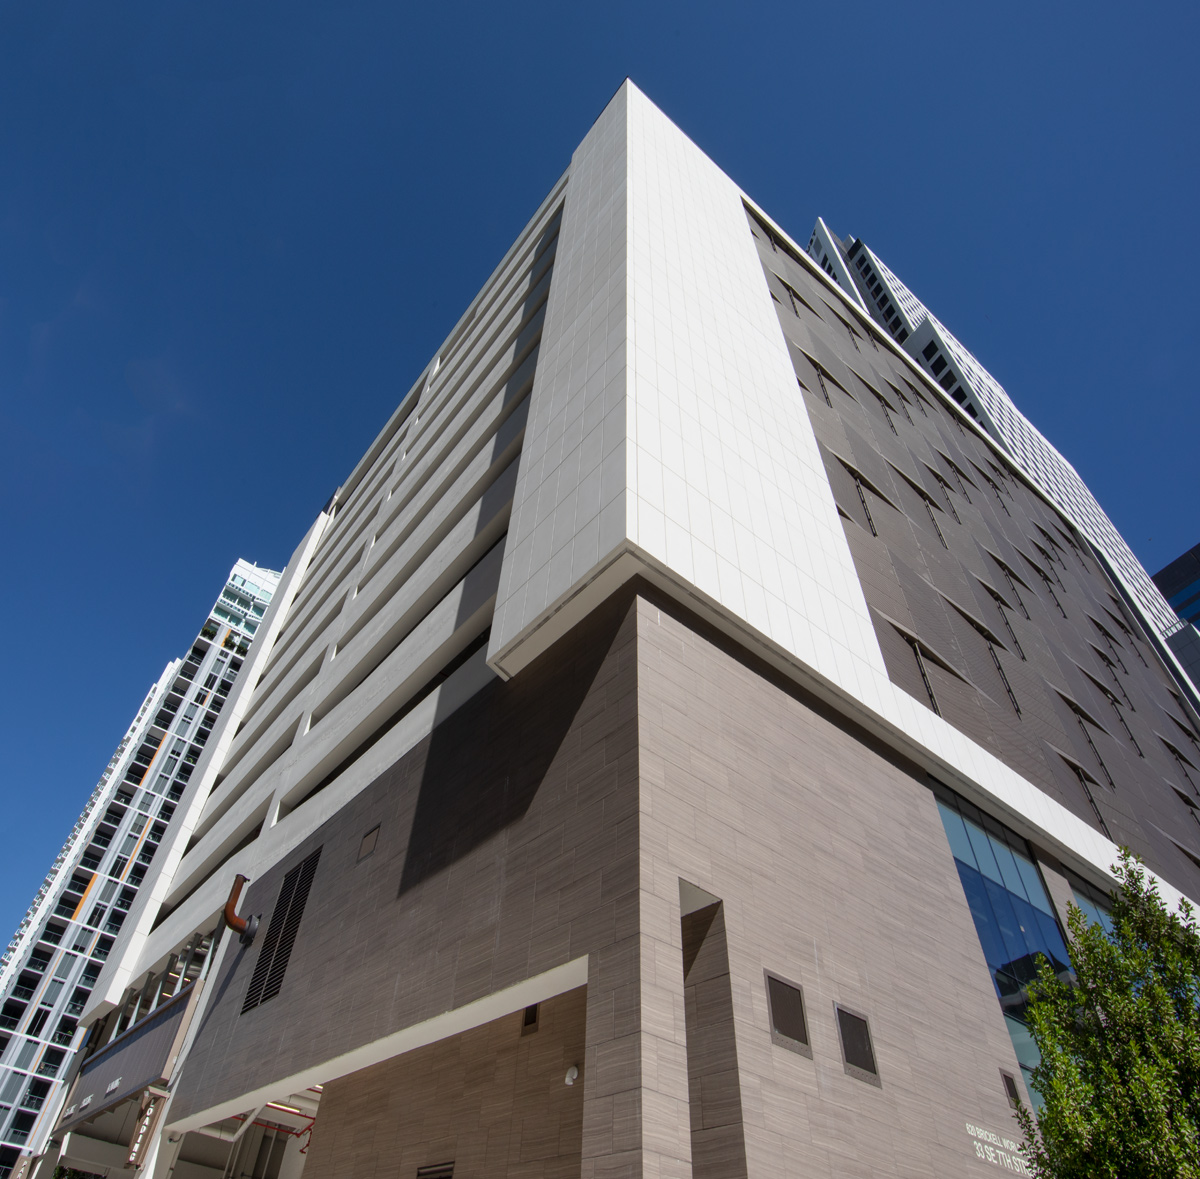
1013 914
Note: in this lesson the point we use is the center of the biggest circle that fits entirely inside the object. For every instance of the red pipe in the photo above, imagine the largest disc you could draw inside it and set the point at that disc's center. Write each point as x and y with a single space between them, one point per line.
244 927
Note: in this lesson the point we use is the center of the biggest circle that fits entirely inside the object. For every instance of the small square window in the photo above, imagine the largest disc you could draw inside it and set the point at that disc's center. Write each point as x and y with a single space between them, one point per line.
785 1002
1010 1089
529 1019
368 843
858 1055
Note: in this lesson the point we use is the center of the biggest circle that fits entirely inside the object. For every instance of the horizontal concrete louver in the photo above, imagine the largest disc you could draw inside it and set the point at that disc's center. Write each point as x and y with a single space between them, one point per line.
281 933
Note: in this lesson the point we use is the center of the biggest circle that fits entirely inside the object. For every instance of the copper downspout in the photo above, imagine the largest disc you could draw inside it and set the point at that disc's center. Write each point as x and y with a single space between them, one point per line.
244 927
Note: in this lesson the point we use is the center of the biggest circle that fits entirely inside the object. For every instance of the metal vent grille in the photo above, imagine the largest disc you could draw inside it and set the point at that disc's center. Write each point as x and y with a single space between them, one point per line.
281 933
436 1171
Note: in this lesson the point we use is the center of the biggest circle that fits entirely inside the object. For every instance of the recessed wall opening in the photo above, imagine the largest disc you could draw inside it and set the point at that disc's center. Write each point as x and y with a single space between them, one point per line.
789 1023
858 1053
714 1090
1010 1089
367 847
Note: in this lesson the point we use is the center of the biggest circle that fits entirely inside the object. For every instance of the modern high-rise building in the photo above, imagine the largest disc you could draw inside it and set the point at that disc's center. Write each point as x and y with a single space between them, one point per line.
857 269
1179 583
666 754
57 953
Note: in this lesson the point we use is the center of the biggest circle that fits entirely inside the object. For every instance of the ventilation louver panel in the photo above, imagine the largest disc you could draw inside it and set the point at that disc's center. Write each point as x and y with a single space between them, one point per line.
281 933
436 1171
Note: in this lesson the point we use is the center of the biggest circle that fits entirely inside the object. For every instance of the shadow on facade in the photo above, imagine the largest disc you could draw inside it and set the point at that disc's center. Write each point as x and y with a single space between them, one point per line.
487 761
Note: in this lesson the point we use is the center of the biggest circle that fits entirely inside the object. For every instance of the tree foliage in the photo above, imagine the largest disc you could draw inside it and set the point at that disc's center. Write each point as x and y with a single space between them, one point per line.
1120 1067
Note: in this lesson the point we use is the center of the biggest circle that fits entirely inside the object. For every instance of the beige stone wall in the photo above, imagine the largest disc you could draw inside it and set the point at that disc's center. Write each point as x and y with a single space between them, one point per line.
491 1100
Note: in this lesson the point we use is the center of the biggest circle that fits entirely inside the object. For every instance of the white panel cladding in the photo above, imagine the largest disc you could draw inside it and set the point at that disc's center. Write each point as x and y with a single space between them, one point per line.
666 422
727 486
569 511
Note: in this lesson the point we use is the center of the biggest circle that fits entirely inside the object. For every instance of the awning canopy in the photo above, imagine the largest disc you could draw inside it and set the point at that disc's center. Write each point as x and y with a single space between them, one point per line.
142 1056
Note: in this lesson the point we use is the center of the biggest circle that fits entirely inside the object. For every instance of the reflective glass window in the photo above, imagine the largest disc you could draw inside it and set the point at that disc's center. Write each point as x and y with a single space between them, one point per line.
1096 905
1014 917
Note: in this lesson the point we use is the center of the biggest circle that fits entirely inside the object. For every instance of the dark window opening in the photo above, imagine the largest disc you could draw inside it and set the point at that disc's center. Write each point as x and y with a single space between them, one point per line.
863 500
1010 1089
1121 718
1085 785
367 847
529 1020
858 1054
1004 679
789 1027
933 521
916 650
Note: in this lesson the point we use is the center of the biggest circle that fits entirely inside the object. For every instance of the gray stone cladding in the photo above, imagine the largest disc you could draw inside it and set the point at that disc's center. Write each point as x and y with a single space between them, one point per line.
554 816
1025 644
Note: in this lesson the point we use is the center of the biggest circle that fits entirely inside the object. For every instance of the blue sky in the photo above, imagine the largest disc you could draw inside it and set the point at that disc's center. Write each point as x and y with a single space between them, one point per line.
232 234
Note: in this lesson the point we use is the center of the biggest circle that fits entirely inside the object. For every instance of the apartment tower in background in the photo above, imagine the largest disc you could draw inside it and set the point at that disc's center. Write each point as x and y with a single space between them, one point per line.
55 956
666 754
